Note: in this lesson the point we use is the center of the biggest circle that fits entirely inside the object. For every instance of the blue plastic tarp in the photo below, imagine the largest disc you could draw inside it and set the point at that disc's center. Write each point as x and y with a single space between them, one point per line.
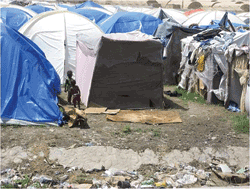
14 18
94 15
39 8
29 83
89 4
123 22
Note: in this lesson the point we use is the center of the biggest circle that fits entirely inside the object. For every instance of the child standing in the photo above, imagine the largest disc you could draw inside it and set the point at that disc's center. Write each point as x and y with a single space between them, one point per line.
68 84
75 92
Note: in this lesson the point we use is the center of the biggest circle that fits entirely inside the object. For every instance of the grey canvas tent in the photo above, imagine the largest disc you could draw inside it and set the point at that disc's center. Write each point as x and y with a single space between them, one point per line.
122 70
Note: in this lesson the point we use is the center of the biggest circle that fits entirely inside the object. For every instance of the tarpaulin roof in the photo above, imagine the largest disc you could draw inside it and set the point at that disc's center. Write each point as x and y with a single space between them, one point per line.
94 15
206 17
89 4
31 12
14 17
39 8
158 12
122 70
123 22
29 83
55 33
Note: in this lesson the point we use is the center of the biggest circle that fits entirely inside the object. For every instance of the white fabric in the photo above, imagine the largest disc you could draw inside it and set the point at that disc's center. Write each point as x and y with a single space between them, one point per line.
205 18
55 33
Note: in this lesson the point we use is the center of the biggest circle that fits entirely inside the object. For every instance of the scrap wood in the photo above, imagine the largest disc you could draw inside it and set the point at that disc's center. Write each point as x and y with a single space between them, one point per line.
146 116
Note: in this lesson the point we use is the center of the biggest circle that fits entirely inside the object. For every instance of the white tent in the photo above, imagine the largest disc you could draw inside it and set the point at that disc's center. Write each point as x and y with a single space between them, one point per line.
205 18
176 14
244 16
55 33
31 12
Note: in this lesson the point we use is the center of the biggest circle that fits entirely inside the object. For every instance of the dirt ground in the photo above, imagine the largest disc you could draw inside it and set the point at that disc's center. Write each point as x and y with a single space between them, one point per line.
200 123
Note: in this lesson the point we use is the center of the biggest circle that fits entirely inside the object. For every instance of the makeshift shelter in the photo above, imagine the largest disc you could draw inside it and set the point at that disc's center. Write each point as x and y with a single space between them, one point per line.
210 66
205 18
94 15
171 35
120 70
15 17
123 22
29 83
55 33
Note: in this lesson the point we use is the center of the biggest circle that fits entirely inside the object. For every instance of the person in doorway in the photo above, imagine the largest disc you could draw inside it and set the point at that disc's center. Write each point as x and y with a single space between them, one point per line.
75 92
68 84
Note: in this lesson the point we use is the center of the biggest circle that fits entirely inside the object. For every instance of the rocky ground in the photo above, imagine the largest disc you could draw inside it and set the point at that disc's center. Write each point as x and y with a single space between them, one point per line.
141 155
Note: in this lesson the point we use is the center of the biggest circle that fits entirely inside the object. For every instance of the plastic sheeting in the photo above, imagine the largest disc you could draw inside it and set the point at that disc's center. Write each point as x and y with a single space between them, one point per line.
89 4
55 33
107 70
96 16
123 22
205 18
29 83
14 18
39 8
215 63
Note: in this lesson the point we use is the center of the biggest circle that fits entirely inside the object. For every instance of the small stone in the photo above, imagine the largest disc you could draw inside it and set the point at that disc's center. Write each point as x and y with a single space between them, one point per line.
213 138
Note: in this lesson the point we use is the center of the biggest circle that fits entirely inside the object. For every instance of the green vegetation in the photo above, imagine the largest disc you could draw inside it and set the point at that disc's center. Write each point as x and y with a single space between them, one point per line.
240 123
139 130
24 182
156 133
186 96
127 129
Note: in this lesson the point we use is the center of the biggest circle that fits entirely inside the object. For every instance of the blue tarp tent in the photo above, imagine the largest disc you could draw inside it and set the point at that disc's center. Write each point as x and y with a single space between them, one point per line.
123 22
29 83
89 4
39 8
97 16
66 6
14 18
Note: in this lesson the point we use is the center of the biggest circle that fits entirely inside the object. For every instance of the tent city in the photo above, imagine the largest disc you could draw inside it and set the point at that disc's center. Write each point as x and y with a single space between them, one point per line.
140 94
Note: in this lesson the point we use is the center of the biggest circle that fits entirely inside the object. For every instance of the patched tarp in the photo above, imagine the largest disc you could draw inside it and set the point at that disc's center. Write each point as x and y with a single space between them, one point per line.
29 83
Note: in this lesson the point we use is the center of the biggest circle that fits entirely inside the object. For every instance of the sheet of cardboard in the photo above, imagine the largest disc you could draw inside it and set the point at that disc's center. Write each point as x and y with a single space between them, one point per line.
146 116
93 110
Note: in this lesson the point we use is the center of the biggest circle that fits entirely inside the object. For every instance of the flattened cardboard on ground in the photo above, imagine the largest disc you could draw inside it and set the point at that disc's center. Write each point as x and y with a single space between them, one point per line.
146 116
94 110
112 111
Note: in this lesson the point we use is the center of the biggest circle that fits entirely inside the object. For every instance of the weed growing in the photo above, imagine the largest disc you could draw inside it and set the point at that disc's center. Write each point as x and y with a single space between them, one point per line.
240 123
